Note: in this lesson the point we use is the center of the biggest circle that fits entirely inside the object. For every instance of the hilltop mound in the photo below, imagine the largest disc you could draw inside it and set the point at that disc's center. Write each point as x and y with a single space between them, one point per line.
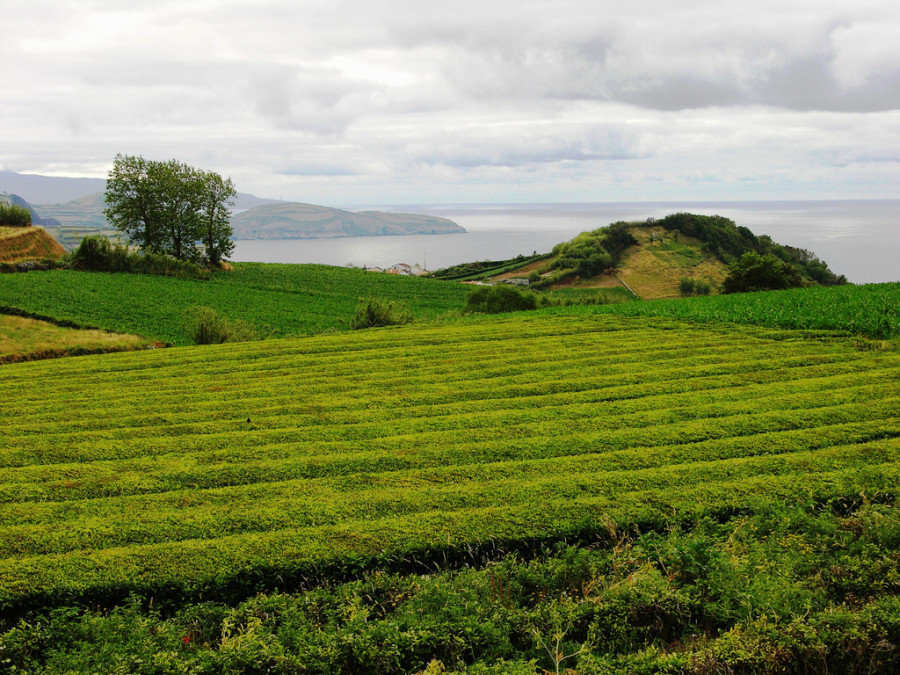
306 221
654 257
27 243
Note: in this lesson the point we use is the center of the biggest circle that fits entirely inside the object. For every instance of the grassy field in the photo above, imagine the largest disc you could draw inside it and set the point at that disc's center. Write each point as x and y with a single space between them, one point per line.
575 487
215 468
871 310
277 300
654 268
24 243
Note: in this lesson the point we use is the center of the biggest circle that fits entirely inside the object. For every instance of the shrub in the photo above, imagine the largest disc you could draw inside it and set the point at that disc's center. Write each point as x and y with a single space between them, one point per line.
500 298
686 286
14 216
92 253
690 286
96 253
754 272
373 312
206 327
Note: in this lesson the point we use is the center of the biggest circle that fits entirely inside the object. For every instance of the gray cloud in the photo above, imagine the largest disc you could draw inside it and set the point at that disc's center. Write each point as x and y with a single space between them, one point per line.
568 96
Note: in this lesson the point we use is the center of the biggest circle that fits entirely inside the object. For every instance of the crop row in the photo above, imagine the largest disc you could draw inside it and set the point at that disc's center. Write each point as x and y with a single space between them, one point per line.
223 467
282 558
384 365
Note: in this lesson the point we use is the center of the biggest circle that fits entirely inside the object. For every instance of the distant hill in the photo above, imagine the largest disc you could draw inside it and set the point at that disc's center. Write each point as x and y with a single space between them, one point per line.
653 258
48 189
36 218
71 208
306 221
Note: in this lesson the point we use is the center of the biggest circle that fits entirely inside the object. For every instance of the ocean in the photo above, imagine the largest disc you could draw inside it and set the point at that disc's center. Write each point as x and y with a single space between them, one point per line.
860 238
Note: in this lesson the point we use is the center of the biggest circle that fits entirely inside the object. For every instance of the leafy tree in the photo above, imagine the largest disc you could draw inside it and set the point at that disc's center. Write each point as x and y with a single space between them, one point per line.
168 207
133 201
180 190
215 227
755 272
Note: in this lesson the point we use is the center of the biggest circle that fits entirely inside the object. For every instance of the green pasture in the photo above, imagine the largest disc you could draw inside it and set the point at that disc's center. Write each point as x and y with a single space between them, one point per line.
277 300
871 310
228 470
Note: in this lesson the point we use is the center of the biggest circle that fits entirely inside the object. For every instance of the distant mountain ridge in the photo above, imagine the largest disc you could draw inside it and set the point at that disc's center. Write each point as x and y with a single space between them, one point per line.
294 220
73 208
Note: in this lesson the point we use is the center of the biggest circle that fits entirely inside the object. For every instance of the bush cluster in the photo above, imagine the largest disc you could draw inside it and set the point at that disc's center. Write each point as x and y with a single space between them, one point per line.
690 286
12 215
590 253
373 312
96 253
729 242
204 326
754 272
499 298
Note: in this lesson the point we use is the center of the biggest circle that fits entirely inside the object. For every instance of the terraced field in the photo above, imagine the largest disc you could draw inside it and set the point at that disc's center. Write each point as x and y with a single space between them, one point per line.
221 471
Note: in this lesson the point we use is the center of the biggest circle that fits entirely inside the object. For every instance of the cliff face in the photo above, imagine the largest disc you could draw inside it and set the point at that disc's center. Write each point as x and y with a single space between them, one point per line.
27 243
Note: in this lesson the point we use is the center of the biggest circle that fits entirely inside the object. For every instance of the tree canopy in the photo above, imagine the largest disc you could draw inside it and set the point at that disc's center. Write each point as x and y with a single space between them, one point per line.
755 272
170 207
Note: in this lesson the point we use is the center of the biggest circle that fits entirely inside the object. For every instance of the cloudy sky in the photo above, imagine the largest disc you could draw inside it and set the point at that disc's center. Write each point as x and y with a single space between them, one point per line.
346 102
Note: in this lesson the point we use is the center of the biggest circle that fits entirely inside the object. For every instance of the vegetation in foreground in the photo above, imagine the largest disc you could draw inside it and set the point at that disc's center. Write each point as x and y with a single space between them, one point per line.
225 471
807 588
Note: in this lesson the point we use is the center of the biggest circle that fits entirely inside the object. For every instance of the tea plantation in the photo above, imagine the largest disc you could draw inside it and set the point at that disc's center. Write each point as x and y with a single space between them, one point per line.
533 492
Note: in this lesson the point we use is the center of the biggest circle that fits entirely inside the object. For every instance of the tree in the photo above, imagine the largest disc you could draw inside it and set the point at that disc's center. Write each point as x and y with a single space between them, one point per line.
215 227
180 191
132 202
755 272
170 207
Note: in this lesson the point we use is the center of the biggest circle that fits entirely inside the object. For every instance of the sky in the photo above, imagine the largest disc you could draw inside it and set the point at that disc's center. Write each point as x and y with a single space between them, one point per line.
347 102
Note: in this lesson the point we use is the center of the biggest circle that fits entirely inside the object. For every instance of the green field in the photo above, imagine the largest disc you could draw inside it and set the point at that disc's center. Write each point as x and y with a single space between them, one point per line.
277 300
670 493
871 310
206 468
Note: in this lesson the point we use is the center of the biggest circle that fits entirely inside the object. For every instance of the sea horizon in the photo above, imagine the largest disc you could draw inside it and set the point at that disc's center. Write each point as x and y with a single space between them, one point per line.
859 238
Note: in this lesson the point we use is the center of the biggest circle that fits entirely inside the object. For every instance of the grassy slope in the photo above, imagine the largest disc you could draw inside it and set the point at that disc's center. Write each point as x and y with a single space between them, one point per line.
27 243
654 267
23 339
277 299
